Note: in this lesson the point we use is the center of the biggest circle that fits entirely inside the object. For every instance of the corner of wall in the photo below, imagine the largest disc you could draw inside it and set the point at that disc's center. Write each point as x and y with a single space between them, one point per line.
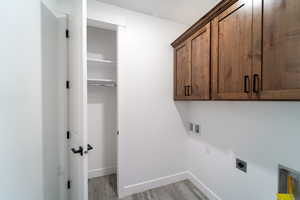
202 187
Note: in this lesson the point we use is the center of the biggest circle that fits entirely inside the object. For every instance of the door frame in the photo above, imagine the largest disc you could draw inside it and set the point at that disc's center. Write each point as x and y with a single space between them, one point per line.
120 30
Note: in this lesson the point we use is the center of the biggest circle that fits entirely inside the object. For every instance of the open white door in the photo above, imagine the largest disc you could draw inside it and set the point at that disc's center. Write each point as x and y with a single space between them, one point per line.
78 100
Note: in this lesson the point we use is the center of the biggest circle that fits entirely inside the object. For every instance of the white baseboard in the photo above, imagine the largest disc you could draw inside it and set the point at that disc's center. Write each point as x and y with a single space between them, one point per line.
202 187
150 184
162 181
101 172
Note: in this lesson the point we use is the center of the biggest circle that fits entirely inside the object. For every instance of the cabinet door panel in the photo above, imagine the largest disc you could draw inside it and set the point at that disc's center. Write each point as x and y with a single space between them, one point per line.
182 71
200 63
280 67
232 52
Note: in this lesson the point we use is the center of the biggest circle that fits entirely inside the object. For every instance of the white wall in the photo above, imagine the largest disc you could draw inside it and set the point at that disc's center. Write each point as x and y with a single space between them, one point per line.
102 103
264 134
152 140
21 101
102 128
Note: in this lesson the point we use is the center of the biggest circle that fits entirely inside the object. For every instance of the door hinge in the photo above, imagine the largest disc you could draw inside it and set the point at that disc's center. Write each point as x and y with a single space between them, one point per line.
67 84
68 134
69 184
67 33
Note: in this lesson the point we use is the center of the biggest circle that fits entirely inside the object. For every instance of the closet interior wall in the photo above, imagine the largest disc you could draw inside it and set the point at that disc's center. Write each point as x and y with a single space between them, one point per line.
102 101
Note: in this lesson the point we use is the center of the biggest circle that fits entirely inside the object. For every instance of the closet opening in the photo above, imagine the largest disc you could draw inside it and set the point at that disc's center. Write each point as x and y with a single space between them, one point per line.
102 125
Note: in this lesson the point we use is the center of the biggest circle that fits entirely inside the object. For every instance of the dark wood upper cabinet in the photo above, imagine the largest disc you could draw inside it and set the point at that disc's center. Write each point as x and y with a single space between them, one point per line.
277 72
200 64
241 50
231 52
182 71
192 67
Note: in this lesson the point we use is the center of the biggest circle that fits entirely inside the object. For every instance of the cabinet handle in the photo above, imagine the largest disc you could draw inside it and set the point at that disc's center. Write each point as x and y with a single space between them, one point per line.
185 92
190 90
256 83
246 84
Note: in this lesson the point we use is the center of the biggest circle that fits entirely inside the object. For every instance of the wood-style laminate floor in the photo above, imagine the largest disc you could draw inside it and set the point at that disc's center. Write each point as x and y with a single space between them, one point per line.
104 188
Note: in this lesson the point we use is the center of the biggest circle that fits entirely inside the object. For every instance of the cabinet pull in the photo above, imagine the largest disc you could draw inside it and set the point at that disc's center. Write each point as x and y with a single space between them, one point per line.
246 84
190 90
256 83
185 91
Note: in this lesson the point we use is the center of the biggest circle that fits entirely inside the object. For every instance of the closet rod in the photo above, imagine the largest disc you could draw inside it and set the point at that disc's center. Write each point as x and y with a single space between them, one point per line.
103 85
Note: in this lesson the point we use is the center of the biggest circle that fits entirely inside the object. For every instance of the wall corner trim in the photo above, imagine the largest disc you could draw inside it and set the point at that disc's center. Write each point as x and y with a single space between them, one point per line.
202 187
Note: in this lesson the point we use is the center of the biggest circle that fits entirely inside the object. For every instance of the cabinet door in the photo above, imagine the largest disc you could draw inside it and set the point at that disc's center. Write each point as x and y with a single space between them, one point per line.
278 74
199 45
232 52
182 72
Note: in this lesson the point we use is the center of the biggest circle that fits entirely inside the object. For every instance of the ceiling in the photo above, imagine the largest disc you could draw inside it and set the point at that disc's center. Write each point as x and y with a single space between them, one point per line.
181 11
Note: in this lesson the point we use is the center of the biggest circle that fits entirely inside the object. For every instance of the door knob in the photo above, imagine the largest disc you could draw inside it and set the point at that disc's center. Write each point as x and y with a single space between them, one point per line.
79 150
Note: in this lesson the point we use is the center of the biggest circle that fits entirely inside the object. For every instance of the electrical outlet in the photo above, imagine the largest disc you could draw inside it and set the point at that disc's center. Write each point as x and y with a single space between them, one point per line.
241 165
